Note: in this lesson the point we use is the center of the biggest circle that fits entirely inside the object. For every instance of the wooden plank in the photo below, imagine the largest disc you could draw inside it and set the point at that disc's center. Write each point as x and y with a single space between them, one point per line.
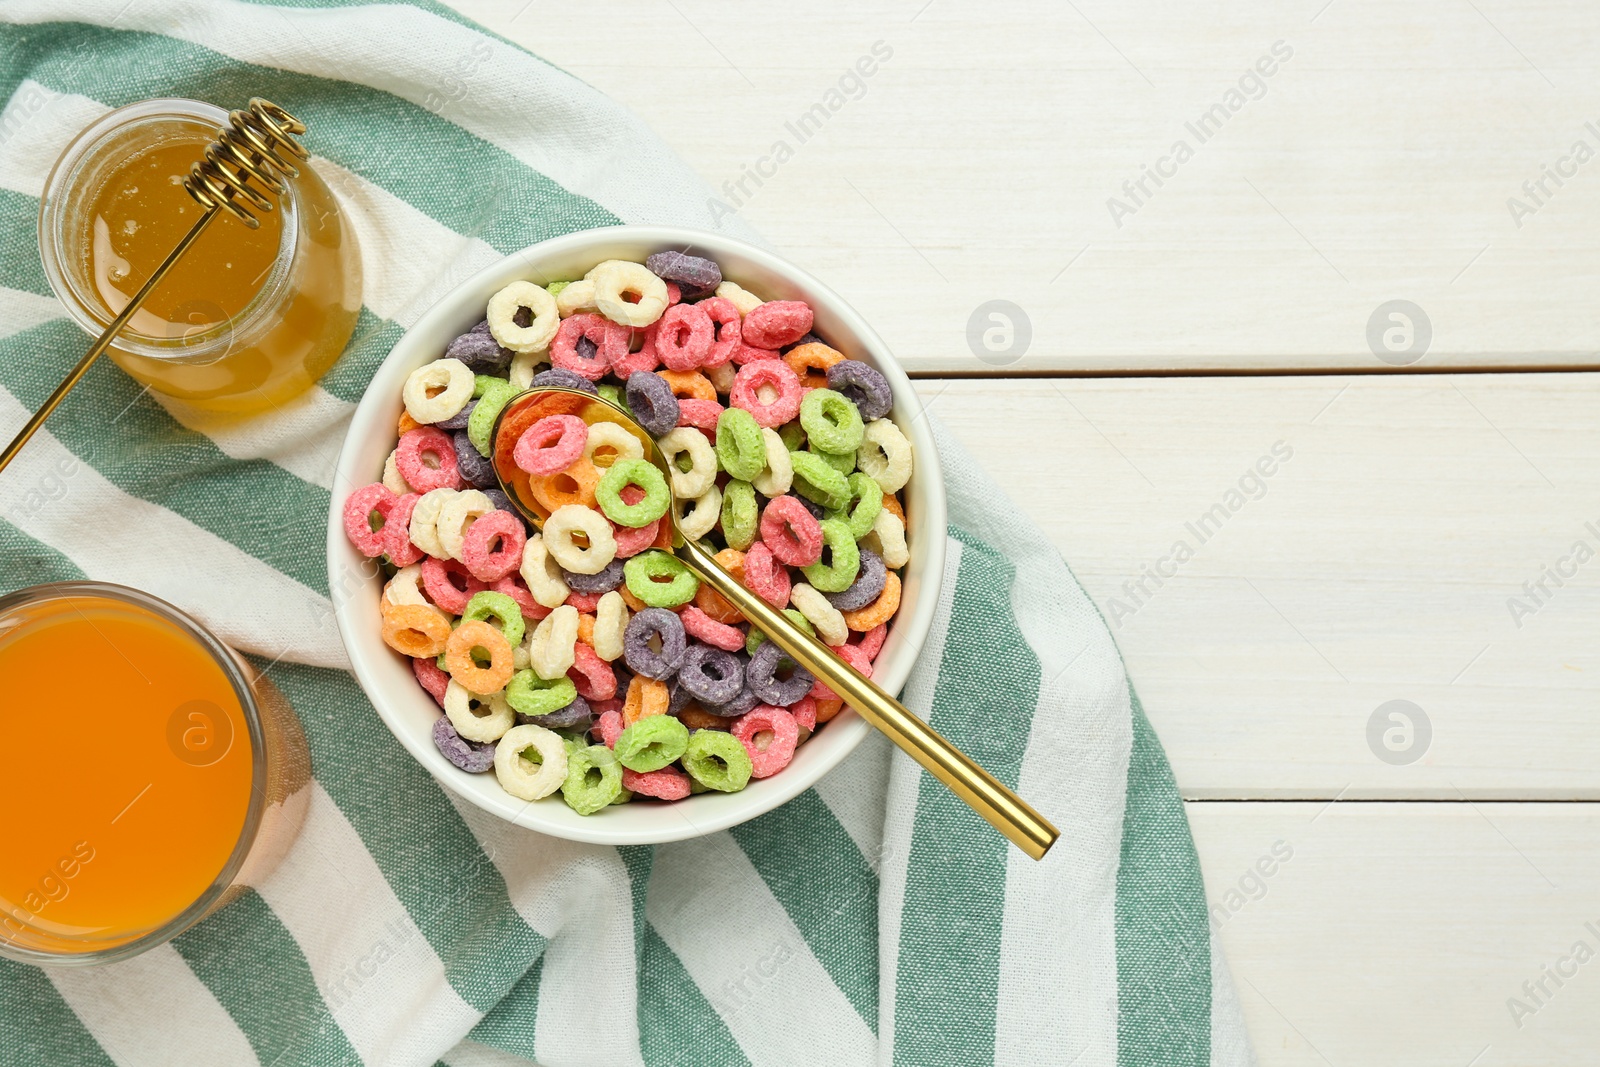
979 160
1398 933
1374 564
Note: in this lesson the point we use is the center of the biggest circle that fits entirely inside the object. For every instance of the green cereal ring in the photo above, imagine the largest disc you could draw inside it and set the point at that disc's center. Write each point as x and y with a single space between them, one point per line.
612 394
753 640
831 422
793 436
740 447
529 694
866 500
652 743
554 288
818 482
717 760
491 605
836 575
594 779
739 518
843 462
638 472
660 579
497 393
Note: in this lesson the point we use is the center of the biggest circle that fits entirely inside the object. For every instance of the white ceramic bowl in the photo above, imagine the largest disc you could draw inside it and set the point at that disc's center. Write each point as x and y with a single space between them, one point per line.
386 676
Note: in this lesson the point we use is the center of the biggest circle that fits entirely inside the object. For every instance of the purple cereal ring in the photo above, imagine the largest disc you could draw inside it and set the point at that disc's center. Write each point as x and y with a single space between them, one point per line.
867 587
711 675
808 339
480 352
475 469
576 713
459 420
498 498
677 697
652 403
695 275
609 577
817 510
637 652
471 756
762 676
863 386
564 379
736 707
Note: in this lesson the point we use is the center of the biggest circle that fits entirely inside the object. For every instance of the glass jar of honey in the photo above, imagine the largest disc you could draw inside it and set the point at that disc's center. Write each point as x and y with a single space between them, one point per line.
247 319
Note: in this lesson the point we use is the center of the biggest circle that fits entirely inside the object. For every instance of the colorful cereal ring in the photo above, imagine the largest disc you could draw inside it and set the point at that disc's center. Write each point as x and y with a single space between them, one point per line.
652 743
415 630
476 717
690 445
397 532
684 336
777 476
575 485
669 783
460 651
831 422
502 609
642 474
765 576
431 677
650 401
360 509
654 643
741 450
777 323
702 627
811 362
769 734
879 611
562 530
411 459
717 760
592 675
607 342
739 516
791 533
492 548
818 482
474 757
753 383
529 694
449 584
594 779
660 579
530 779
481 423
864 386
866 500
728 331
551 444
646 697
843 558
437 391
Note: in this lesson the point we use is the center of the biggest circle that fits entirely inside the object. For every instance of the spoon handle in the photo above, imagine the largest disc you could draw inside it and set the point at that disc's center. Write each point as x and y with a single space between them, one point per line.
1002 808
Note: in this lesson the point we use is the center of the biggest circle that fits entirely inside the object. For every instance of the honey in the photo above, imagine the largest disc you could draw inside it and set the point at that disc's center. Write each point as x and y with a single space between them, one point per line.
248 319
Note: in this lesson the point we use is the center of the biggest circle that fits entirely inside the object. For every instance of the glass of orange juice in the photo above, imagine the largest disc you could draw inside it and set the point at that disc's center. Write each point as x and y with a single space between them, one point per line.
247 319
172 777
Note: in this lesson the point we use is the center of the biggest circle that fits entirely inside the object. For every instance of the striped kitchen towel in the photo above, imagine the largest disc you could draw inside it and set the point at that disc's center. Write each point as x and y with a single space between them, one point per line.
871 920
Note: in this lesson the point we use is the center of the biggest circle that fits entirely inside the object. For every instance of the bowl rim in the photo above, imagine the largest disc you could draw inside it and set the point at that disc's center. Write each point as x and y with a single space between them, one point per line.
680 821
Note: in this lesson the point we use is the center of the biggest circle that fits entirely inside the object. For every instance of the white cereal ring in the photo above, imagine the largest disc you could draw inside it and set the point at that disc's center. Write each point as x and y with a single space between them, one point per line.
575 299
739 297
702 472
523 778
888 539
424 528
542 574
701 515
885 455
477 718
552 643
827 619
456 515
618 443
616 279
438 391
570 519
405 587
779 475
503 307
524 365
610 625
391 478
722 376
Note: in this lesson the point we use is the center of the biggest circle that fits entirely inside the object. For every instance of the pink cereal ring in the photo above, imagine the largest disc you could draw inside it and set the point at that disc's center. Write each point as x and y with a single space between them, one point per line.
359 508
674 294
610 340
449 584
592 675
492 547
644 358
610 727
804 711
769 734
514 587
745 353
765 576
703 627
397 532
852 655
668 783
727 330
431 678
792 533
683 336
633 540
777 323
584 602
752 384
872 641
552 444
701 414
411 459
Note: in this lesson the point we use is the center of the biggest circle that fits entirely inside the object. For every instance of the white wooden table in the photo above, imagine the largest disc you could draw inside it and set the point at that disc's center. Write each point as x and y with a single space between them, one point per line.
1437 463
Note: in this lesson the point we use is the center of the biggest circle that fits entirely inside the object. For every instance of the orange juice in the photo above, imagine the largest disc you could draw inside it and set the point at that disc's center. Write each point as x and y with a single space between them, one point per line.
131 780
247 319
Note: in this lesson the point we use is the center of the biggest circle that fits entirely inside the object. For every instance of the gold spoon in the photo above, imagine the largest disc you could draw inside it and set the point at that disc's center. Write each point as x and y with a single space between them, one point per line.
1002 808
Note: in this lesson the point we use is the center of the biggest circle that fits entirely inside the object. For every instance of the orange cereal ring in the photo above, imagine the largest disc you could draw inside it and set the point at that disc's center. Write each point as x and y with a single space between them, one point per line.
811 362
689 385
646 697
473 634
407 423
416 630
586 629
695 717
575 485
827 709
633 602
714 603
880 610
891 504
